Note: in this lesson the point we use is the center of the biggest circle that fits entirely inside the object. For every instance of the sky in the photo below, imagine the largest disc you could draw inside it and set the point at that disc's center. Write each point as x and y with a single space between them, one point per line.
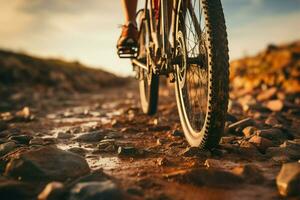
87 30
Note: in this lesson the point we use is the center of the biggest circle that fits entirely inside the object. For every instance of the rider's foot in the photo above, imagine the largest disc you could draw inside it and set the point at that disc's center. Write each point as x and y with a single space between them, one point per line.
128 41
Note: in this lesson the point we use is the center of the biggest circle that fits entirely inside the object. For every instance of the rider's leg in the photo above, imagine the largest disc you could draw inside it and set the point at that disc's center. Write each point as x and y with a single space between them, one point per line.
128 41
129 9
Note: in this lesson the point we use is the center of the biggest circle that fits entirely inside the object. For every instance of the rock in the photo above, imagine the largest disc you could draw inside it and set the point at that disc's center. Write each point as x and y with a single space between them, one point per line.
64 135
288 151
251 173
13 189
94 136
7 147
78 150
95 191
194 151
267 94
177 133
208 177
127 151
46 164
288 179
272 121
249 130
227 139
275 105
36 141
21 139
272 134
3 125
241 124
261 143
52 191
163 161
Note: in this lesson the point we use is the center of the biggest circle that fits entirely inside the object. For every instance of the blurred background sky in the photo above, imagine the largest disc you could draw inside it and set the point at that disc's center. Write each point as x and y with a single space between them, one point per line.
87 30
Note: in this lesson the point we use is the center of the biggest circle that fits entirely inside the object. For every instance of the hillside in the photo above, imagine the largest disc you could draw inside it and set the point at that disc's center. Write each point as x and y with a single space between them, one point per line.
23 71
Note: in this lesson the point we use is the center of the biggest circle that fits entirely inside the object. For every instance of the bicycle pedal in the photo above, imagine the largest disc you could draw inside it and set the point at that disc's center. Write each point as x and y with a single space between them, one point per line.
126 52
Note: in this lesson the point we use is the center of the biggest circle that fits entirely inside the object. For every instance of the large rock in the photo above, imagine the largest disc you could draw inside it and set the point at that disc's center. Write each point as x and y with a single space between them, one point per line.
104 190
288 180
46 163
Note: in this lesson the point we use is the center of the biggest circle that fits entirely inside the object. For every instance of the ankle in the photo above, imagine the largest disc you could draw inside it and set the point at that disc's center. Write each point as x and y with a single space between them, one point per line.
133 23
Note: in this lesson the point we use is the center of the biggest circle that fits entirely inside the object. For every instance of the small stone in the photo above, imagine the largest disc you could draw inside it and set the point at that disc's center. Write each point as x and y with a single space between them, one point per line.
267 94
64 135
94 136
21 139
261 143
52 191
227 139
249 130
271 134
78 150
162 161
275 105
272 121
288 179
177 133
36 141
127 151
7 147
95 190
194 151
219 164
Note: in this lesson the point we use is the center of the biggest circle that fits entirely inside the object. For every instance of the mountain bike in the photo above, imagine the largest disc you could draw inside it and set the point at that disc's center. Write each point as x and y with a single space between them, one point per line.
186 41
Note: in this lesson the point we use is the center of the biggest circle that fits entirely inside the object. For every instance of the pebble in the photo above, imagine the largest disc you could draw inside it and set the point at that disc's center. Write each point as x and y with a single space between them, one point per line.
104 190
36 141
261 143
288 179
78 150
7 147
94 136
249 130
64 135
275 105
267 94
21 139
127 151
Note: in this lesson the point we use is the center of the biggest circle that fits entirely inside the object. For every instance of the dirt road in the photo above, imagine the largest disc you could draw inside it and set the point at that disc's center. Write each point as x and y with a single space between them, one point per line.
145 157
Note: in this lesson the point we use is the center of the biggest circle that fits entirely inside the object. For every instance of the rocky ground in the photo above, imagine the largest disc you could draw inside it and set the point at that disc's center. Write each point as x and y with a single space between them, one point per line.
98 144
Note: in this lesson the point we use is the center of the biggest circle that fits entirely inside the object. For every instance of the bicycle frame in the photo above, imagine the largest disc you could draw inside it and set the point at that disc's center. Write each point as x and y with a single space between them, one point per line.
159 30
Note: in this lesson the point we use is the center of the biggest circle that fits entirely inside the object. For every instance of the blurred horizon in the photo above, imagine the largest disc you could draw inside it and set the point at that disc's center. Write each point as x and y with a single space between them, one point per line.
87 32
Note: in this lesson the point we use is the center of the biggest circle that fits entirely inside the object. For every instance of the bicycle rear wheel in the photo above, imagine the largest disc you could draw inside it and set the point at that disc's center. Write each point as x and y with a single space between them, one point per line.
148 81
202 78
